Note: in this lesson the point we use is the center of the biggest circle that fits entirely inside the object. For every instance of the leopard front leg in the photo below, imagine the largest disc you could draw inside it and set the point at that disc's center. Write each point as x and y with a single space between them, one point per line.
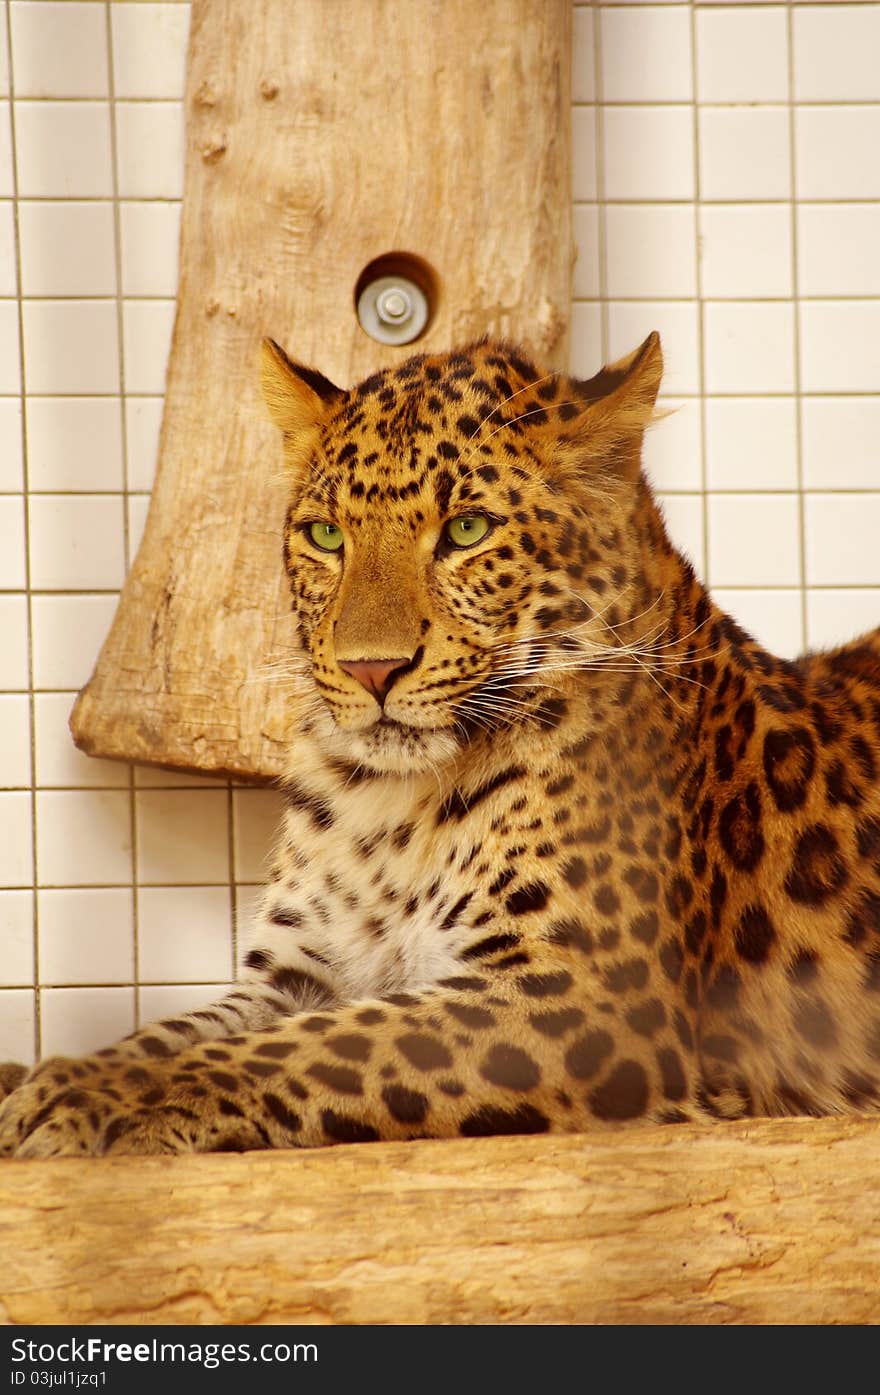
461 1059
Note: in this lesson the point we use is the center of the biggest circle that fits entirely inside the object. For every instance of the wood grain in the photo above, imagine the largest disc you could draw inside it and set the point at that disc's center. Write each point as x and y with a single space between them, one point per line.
768 1222
319 137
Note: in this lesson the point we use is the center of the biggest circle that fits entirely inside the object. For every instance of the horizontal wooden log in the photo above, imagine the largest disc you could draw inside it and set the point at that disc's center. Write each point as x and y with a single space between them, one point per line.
768 1222
320 137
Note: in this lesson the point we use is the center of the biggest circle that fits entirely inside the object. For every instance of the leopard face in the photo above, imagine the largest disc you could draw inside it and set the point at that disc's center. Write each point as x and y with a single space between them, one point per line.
445 544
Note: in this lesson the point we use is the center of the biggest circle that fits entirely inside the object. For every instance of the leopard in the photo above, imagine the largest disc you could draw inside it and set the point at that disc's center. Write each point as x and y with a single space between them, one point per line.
563 847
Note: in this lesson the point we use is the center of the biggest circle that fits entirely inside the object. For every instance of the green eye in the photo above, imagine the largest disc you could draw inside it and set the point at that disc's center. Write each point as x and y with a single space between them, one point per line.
467 530
326 536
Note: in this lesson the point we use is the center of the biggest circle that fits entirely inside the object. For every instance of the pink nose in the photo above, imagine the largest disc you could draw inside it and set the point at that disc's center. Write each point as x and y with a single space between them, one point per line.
376 675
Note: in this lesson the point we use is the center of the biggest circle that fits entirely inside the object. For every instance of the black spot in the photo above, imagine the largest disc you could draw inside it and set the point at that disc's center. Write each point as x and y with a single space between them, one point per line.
624 1095
647 1018
585 1056
864 919
406 1106
424 1052
671 959
632 973
789 763
287 1118
754 935
672 1074
645 927
277 1050
350 1046
339 1078
548 985
488 1121
510 1067
556 1024
533 897
643 883
470 1016
575 872
818 870
724 989
813 1021
679 895
490 945
341 1128
739 829
369 1017
804 968
606 900
571 934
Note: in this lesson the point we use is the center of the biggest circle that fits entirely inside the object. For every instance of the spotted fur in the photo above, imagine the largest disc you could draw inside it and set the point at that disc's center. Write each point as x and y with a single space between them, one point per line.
562 845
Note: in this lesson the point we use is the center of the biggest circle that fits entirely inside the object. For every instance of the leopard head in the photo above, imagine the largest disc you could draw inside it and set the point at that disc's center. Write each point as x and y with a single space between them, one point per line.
456 525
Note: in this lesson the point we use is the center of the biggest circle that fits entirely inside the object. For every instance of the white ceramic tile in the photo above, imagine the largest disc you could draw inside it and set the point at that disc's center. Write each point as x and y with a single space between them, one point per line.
86 935
184 934
68 633
16 844
745 153
14 649
149 49
76 1021
77 542
630 322
649 152
840 346
742 54
59 48
138 508
840 436
840 533
583 153
684 524
143 421
773 618
8 267
586 338
837 249
673 451
650 251
149 143
10 347
173 1000
84 838
74 443
748 347
751 443
67 248
837 616
150 233
835 51
646 54
15 741
7 178
13 574
17 1017
146 333
4 63
70 346
745 251
833 152
11 473
257 819
63 149
754 540
585 227
59 763
583 63
183 836
248 900
17 938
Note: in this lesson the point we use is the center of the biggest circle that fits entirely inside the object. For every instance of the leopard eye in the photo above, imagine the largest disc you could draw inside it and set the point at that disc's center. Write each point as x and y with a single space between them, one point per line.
467 530
327 536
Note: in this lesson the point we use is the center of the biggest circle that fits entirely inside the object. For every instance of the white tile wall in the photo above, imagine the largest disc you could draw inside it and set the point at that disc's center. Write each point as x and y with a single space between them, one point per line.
726 191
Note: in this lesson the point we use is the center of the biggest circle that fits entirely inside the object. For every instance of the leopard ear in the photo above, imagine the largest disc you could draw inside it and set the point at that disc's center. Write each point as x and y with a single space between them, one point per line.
618 404
297 397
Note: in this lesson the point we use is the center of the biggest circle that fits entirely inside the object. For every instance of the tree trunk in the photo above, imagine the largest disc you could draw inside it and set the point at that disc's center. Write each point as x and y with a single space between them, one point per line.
769 1222
319 138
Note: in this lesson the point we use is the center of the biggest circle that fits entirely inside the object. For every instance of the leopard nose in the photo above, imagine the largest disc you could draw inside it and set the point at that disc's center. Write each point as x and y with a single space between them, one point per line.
376 675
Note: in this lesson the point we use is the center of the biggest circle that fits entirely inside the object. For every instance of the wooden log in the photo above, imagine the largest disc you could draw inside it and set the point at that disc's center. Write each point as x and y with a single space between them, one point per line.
767 1222
319 137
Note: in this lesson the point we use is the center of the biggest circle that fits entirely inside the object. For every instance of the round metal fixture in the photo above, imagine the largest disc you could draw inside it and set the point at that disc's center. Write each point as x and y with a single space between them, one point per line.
392 309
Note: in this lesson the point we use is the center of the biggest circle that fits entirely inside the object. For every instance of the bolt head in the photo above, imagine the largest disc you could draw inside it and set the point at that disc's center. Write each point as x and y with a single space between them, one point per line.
394 305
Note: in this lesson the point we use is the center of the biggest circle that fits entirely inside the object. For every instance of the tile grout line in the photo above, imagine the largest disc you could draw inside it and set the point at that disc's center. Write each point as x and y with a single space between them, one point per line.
796 324
701 303
601 202
37 1013
126 537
